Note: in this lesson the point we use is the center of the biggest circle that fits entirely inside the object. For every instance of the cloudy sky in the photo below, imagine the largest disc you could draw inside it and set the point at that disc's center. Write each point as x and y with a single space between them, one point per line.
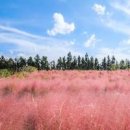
55 27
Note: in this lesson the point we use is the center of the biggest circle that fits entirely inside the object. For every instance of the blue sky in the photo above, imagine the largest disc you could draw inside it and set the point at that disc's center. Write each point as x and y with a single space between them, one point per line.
55 27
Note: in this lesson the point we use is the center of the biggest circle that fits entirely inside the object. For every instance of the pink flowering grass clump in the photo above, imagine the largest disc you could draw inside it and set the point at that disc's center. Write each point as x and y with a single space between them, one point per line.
66 100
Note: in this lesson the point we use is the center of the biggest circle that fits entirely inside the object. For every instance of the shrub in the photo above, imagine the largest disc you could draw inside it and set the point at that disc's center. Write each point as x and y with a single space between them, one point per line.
29 69
5 73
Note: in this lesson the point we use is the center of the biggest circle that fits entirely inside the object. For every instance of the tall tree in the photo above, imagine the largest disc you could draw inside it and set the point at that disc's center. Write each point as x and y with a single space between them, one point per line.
37 61
113 63
64 63
69 60
74 63
127 63
3 64
16 65
52 65
86 61
96 64
83 63
11 64
30 61
117 66
21 62
108 63
59 64
44 63
79 62
104 64
122 64
92 63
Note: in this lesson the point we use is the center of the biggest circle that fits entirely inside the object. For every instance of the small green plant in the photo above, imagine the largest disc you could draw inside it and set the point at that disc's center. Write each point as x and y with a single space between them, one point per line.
29 69
5 73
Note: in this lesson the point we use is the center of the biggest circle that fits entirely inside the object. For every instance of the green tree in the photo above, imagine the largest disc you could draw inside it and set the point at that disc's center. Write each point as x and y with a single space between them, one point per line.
3 63
122 65
21 62
117 66
96 64
83 63
104 64
127 62
86 61
113 63
79 63
108 63
30 61
74 63
69 60
37 61
64 63
11 64
59 64
91 63
44 63
16 66
52 65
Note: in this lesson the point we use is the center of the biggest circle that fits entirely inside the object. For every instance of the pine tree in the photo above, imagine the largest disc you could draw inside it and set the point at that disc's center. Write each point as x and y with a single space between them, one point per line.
82 63
30 61
52 65
122 64
59 64
127 63
104 64
74 63
3 64
21 62
44 63
113 63
86 61
108 63
79 63
64 63
117 66
96 64
11 64
69 60
37 61
91 63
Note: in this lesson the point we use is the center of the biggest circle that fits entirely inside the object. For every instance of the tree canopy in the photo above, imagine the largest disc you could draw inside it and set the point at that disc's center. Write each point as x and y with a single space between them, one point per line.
68 62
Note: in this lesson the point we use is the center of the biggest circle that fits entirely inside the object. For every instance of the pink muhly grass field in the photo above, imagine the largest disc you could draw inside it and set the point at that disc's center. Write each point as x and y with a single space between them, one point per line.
66 100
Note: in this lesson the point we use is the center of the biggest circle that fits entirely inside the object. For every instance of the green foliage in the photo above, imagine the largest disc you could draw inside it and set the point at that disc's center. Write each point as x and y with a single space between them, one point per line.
68 62
29 69
5 73
37 61
113 67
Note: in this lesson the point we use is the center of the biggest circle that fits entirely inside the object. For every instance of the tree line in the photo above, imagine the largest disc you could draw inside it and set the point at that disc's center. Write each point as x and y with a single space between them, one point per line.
68 62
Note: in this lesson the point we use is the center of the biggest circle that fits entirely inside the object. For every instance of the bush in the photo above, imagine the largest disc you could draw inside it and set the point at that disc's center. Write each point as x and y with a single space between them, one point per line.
29 69
5 73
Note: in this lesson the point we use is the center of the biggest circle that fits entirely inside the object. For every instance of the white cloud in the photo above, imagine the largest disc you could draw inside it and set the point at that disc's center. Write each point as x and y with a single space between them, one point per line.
91 41
125 42
60 26
122 6
119 52
116 25
29 44
122 51
14 30
99 9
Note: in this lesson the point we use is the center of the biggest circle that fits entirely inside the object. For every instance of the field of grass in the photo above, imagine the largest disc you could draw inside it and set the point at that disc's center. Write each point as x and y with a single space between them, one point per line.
66 100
